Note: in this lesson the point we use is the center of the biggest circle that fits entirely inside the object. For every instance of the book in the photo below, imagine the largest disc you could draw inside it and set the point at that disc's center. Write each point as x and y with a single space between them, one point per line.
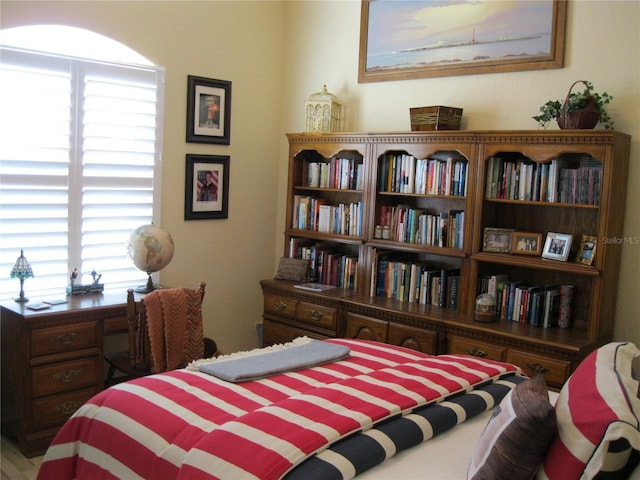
314 287
551 305
564 309
38 306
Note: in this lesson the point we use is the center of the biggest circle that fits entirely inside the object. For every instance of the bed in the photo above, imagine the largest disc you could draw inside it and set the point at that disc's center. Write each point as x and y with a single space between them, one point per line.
355 408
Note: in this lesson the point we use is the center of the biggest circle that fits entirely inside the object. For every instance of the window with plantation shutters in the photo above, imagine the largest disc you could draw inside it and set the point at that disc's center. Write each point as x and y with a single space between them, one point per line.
79 167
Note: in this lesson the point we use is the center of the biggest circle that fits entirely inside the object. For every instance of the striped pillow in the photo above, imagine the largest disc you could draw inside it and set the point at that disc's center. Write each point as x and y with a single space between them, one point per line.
598 414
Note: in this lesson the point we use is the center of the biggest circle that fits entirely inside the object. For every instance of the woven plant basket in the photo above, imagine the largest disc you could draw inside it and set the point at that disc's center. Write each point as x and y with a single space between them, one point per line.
586 118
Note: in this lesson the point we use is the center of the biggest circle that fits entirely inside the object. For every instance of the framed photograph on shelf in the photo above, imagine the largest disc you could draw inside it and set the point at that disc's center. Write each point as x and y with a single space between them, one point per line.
587 252
207 187
208 110
497 240
526 243
506 37
557 246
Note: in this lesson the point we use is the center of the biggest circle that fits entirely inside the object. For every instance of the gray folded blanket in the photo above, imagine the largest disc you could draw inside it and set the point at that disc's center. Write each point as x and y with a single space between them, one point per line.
262 363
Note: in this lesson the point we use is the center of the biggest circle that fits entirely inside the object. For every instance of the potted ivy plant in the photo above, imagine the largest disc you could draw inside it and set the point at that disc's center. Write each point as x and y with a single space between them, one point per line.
583 110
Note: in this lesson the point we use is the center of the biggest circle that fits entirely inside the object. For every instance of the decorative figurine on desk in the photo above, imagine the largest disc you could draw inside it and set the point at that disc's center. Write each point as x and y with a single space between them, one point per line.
77 289
96 276
73 276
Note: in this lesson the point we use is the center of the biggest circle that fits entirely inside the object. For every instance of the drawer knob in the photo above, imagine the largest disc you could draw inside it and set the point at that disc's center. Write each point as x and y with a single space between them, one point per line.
537 368
67 408
281 306
67 376
66 338
476 352
315 314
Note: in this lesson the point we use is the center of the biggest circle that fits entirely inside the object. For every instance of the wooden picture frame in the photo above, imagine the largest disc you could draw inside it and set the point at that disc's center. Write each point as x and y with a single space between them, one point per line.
526 243
207 187
208 110
497 240
421 39
587 251
557 246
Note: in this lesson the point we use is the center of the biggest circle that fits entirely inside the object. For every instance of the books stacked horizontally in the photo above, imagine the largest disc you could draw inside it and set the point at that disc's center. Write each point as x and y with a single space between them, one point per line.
544 306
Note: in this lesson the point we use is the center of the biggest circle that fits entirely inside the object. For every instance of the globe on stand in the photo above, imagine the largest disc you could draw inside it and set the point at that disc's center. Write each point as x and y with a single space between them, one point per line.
151 249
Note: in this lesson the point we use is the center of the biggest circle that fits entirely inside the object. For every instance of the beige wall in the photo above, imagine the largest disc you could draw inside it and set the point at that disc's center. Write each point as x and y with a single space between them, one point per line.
277 54
237 41
602 45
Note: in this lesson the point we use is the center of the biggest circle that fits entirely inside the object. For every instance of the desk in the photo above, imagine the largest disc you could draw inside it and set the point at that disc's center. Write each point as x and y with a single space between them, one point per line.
52 362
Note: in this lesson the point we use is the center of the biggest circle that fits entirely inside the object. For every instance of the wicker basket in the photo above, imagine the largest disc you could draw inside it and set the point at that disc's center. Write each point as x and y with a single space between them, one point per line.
586 118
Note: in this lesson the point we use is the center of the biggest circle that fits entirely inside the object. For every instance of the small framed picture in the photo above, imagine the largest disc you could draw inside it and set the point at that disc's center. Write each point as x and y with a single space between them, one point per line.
526 243
557 246
208 110
497 240
207 187
587 251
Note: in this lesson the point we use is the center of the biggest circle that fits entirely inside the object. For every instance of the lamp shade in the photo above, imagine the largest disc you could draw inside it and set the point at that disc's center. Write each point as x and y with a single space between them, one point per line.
21 269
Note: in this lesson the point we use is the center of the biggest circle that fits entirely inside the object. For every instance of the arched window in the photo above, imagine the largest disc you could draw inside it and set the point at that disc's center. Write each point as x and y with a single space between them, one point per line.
80 143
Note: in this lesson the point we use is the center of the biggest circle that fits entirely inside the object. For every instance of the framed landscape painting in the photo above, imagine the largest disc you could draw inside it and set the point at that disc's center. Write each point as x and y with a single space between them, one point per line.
400 39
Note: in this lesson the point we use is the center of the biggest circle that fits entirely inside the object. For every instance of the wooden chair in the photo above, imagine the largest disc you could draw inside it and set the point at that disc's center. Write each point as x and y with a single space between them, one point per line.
151 338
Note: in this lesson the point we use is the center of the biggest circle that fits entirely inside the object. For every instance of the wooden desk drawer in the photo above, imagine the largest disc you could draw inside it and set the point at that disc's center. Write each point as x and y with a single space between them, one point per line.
65 376
466 346
555 371
317 315
64 338
56 409
280 305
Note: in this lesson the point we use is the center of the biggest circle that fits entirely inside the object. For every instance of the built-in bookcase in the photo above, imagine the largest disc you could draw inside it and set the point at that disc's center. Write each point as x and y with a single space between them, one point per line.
400 219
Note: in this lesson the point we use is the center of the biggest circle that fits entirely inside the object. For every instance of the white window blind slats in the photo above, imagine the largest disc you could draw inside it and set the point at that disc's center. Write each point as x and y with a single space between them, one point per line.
71 193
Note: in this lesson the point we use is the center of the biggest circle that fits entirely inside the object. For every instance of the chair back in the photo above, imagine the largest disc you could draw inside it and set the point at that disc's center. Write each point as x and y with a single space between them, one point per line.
165 328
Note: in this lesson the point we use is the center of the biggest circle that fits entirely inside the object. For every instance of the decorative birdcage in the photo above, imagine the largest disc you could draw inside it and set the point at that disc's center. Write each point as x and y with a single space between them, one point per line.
323 112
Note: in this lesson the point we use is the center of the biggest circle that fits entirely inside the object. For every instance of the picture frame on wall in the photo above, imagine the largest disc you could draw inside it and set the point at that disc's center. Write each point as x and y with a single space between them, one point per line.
587 251
208 110
497 240
426 38
526 243
207 187
557 246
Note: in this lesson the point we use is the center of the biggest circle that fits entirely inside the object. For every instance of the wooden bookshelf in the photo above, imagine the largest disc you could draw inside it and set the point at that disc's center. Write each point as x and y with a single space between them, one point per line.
402 182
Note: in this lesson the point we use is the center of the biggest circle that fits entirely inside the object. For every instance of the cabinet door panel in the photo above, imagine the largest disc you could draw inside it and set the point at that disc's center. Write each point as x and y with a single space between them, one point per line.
366 328
414 338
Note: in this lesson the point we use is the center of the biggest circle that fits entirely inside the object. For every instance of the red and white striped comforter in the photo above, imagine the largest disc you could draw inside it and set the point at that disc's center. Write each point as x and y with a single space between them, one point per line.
189 425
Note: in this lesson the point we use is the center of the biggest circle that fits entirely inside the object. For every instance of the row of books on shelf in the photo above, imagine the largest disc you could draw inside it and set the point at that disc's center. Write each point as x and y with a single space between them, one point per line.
325 266
339 173
403 173
544 306
415 282
555 181
316 214
404 224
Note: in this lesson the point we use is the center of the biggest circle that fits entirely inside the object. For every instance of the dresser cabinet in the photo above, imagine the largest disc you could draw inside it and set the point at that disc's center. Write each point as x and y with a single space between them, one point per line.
291 313
52 363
